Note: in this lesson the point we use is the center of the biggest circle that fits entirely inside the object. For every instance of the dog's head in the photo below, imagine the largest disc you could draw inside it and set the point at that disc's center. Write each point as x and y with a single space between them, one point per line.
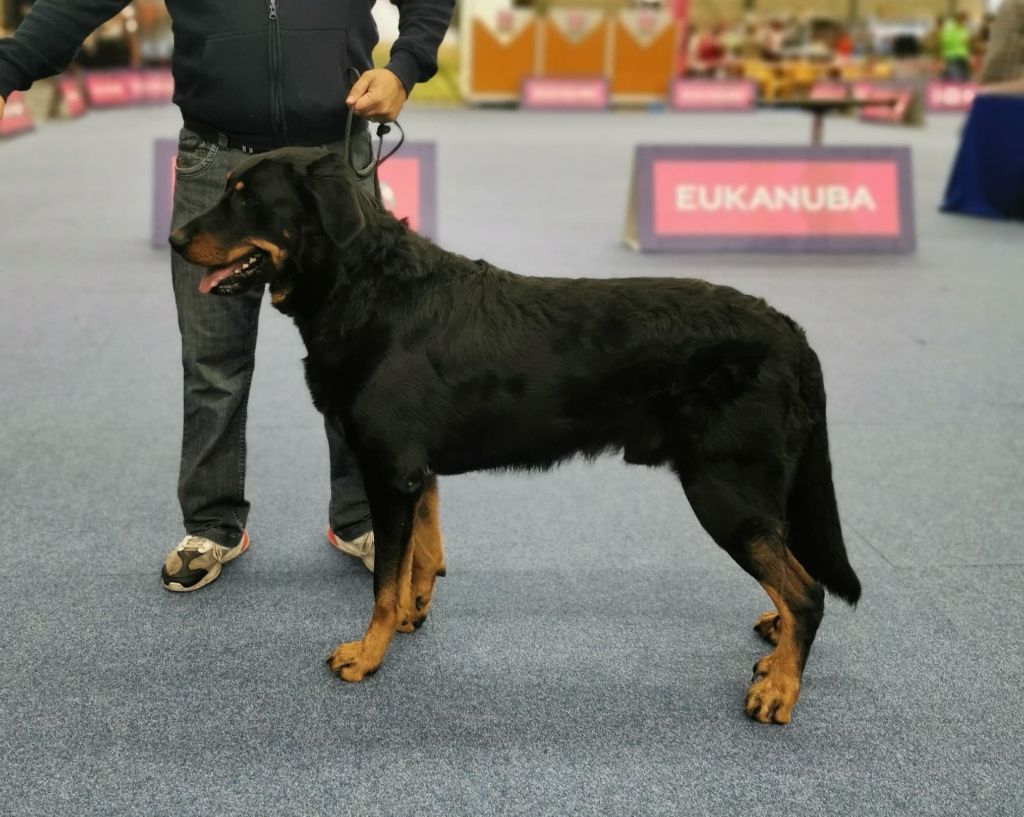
273 204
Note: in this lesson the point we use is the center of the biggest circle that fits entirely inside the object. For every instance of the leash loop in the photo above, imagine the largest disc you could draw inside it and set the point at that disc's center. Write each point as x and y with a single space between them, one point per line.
382 129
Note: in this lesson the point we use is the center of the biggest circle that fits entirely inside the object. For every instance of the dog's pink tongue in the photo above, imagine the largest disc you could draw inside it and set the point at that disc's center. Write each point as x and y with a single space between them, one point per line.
214 277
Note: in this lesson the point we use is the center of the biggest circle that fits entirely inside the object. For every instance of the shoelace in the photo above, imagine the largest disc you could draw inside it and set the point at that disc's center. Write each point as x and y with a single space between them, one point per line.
199 546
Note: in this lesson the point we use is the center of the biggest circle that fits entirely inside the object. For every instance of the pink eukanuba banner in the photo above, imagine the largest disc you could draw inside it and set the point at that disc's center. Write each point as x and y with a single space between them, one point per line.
950 97
17 118
775 198
830 91
71 93
787 199
399 179
115 89
565 93
712 95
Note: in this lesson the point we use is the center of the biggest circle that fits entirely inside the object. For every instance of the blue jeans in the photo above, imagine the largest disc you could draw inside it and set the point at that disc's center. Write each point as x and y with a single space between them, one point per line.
218 347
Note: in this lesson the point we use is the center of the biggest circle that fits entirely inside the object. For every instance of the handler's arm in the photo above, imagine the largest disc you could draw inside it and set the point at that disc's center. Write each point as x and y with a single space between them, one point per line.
47 40
421 28
380 93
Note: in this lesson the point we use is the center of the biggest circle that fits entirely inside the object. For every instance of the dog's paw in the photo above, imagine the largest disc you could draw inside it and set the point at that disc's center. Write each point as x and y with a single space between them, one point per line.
772 693
407 621
406 616
423 593
768 628
350 663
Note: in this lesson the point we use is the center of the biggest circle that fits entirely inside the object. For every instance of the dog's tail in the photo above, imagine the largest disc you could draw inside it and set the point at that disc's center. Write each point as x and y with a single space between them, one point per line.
815 534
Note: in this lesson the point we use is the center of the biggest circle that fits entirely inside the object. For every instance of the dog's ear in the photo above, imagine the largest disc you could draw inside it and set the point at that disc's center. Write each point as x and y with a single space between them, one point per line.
335 189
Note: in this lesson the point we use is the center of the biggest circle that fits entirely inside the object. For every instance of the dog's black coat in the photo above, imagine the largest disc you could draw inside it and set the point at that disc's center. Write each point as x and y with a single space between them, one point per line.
434 363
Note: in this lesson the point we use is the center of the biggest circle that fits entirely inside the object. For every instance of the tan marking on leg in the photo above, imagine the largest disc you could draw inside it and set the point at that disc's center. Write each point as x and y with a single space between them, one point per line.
355 660
406 609
767 626
776 684
428 552
776 687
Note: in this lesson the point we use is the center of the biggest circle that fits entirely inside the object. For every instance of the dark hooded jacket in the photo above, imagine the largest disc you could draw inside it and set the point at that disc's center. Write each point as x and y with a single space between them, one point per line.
263 71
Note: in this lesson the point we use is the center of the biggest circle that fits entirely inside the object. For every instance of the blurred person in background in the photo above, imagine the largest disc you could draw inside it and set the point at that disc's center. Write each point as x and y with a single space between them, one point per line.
749 45
1004 62
955 44
931 44
732 36
249 77
708 52
773 37
843 47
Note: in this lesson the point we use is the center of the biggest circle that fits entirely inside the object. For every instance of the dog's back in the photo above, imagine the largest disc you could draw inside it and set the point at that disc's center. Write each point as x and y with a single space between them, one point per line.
646 366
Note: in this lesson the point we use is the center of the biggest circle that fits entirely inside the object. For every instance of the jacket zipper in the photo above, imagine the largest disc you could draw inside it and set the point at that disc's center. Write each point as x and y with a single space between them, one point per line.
276 92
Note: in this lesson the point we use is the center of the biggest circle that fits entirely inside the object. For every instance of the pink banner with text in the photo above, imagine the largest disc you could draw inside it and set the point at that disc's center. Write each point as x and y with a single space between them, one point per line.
712 95
565 93
118 89
408 186
831 91
16 118
950 97
775 198
72 97
790 199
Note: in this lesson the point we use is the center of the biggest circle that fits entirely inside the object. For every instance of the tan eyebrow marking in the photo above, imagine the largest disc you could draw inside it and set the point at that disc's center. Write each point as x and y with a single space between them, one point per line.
239 185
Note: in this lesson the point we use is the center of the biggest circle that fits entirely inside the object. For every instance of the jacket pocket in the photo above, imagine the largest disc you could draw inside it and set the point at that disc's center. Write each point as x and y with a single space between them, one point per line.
233 92
313 81
195 156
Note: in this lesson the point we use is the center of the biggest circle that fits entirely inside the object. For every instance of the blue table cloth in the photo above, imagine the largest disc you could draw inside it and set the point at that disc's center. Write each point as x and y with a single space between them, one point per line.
988 176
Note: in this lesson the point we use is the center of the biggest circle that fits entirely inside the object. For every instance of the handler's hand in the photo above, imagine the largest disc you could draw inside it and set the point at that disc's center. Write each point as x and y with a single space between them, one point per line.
378 95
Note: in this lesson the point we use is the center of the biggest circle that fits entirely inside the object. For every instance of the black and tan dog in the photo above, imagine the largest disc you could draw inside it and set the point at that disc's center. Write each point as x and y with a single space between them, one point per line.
435 364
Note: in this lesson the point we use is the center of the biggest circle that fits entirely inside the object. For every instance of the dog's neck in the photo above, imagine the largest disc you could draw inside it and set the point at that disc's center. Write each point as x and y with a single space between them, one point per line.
332 294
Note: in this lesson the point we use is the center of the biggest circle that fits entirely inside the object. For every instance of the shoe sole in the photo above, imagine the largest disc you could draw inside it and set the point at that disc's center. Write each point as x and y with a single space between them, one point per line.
214 572
339 546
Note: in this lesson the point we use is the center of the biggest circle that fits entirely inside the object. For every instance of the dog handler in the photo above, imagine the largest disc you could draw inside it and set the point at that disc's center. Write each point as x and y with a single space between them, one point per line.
250 76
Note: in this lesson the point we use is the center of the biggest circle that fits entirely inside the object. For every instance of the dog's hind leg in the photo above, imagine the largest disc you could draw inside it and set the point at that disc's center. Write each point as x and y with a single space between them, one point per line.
767 626
428 553
800 602
744 515
392 512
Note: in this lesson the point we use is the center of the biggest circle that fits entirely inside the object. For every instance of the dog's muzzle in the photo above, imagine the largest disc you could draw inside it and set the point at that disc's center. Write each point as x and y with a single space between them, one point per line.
237 277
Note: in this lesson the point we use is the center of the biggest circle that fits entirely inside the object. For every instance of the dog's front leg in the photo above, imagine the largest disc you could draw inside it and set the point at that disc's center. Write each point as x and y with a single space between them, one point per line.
428 553
392 513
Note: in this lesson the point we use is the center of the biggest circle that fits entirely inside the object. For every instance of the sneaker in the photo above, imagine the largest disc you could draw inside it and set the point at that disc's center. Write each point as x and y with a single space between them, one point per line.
361 547
197 561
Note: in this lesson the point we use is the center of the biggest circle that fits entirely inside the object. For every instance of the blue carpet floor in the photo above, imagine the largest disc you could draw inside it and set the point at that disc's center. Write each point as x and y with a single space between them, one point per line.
589 651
